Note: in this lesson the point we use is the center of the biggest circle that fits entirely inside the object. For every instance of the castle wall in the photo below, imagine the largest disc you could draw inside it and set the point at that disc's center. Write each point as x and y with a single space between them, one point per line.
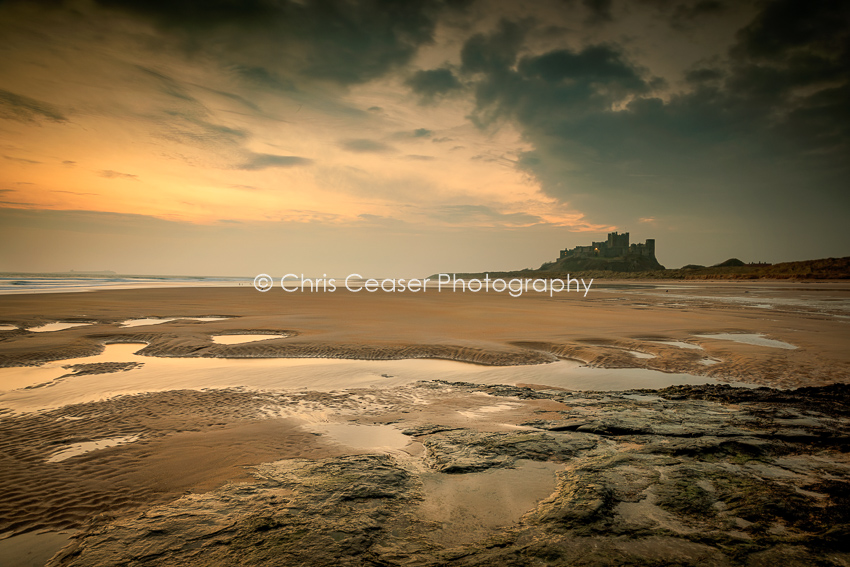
617 246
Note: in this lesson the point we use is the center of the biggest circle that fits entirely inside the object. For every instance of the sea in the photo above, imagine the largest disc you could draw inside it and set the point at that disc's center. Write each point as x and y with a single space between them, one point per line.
12 283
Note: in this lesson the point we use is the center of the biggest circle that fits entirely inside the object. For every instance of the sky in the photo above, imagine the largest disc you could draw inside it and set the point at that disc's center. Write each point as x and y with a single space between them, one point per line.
401 139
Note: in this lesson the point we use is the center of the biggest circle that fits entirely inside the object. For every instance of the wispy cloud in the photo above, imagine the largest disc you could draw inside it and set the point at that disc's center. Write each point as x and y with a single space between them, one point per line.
72 192
481 215
25 109
110 174
265 161
22 160
362 145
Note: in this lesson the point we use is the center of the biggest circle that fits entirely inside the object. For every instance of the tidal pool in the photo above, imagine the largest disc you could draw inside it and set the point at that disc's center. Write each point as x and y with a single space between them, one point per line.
51 385
748 338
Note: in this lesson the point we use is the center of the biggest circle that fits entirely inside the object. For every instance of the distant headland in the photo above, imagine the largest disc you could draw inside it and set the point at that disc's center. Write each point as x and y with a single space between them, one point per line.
617 258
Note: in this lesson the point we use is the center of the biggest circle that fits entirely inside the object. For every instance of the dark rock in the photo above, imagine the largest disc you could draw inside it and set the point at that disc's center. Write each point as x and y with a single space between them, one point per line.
707 476
470 451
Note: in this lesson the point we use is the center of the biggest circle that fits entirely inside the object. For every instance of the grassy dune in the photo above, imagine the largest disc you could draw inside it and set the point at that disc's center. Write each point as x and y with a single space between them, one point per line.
823 269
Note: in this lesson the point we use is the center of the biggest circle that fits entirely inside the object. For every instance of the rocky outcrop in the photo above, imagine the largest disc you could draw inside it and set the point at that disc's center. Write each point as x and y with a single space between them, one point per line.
682 476
458 452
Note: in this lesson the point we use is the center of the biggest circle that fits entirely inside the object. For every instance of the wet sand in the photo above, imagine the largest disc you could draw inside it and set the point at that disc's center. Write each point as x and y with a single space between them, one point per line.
495 329
199 428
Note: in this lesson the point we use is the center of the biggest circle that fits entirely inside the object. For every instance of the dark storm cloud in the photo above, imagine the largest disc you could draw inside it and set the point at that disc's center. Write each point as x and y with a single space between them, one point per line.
184 13
363 145
25 109
704 75
687 15
265 161
495 52
346 42
430 84
750 127
600 11
791 45
593 65
791 71
560 84
688 12
785 25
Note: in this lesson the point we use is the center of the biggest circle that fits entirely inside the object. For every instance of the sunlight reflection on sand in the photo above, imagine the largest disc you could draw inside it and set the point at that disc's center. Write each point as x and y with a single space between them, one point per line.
40 387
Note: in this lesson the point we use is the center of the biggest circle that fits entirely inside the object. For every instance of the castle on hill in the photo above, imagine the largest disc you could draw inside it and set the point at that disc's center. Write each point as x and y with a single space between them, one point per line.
615 255
617 246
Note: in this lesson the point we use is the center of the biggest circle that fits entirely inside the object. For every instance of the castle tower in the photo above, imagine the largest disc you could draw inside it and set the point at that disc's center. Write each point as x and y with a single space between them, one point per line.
618 244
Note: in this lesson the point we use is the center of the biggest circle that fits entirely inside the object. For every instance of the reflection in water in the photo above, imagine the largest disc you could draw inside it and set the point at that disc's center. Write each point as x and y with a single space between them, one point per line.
373 437
158 321
748 338
469 506
55 327
52 385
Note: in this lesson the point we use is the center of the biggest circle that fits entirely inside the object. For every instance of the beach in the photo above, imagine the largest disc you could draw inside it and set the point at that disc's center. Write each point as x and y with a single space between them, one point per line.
190 424
443 283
